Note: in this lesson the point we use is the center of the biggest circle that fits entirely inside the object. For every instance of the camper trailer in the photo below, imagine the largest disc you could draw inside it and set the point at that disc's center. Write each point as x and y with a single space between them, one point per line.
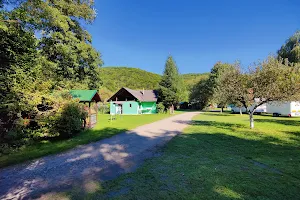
290 108
258 110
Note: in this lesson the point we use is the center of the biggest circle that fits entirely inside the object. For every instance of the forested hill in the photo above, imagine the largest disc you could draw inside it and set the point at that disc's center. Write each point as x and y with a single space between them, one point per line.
116 77
191 79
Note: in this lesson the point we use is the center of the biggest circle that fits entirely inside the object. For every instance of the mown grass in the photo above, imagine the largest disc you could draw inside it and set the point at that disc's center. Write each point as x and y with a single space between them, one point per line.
219 157
104 128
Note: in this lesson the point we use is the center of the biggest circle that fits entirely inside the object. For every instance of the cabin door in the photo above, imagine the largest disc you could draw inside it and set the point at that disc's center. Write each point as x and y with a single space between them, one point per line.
120 109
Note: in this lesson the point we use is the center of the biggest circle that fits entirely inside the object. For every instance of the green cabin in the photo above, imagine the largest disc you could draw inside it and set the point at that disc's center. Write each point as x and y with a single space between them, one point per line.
133 102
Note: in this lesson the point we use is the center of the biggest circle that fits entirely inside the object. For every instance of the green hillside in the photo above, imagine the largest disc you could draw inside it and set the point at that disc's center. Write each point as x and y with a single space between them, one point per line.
115 78
191 79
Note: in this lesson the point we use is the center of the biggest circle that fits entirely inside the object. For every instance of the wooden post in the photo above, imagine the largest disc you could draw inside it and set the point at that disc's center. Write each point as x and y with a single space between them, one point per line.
90 124
96 112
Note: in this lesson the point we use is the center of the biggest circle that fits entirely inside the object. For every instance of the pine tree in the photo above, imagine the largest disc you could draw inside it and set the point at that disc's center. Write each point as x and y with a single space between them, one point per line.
170 85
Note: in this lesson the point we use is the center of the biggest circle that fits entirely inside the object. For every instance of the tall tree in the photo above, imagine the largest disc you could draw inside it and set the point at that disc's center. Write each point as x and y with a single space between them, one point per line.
291 49
43 45
216 88
211 90
200 94
170 87
270 80
18 69
61 37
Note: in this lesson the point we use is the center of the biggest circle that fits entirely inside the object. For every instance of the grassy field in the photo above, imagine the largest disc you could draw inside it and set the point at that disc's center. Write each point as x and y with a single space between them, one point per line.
218 157
104 128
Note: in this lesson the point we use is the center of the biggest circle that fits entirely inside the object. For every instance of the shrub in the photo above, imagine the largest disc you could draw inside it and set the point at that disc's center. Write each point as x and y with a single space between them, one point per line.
69 119
160 108
104 108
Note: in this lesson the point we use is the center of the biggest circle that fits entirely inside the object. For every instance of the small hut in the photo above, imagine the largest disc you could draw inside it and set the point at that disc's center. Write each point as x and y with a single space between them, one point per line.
92 98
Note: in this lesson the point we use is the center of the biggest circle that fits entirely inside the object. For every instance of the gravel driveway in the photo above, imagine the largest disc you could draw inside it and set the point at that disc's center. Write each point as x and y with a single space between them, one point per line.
98 161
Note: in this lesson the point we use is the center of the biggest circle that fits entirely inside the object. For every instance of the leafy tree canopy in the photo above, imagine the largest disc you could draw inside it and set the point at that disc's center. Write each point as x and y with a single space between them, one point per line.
61 40
210 89
291 49
217 91
269 80
43 47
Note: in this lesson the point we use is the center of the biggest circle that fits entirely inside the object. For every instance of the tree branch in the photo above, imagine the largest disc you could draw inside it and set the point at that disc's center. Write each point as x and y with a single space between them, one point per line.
242 100
261 103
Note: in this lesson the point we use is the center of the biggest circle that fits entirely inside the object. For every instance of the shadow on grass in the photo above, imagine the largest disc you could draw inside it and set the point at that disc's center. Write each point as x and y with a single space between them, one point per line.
282 121
214 166
84 166
223 125
217 113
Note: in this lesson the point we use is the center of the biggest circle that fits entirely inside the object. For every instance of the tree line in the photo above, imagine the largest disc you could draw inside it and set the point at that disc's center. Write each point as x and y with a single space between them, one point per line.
276 78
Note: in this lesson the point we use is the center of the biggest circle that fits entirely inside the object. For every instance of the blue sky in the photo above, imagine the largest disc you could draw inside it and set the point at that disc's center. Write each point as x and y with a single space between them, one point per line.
137 33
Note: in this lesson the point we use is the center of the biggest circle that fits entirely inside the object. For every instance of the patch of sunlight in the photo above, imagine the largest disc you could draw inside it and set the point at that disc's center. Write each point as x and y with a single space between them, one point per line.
81 157
45 141
92 187
224 191
55 196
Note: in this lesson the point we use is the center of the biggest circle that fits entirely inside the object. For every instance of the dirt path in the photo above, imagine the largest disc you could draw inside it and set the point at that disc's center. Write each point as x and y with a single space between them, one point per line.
98 161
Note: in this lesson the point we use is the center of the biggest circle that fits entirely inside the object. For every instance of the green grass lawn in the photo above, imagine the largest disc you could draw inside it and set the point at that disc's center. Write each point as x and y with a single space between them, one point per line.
104 128
219 157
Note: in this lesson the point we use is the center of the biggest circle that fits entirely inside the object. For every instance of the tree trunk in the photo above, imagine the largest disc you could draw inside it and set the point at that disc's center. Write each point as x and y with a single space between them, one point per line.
251 120
222 109
241 113
171 109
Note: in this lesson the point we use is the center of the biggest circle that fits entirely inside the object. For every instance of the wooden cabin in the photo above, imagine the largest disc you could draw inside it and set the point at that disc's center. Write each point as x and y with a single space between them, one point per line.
133 102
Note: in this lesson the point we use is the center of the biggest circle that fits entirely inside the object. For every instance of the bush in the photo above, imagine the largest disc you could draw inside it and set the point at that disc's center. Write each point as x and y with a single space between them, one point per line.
160 108
104 108
56 116
69 120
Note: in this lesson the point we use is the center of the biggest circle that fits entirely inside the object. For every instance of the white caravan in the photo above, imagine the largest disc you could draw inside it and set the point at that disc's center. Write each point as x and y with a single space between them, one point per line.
259 109
290 108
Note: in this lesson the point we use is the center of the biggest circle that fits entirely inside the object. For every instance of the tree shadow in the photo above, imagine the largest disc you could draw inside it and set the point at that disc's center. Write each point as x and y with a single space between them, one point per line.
215 166
223 125
295 135
282 121
213 113
82 167
220 161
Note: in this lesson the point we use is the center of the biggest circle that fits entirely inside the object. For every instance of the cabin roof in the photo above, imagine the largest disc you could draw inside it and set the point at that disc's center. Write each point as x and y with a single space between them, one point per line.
140 95
86 95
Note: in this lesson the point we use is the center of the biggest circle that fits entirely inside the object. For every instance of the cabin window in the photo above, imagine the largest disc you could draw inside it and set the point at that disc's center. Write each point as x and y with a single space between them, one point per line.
130 105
